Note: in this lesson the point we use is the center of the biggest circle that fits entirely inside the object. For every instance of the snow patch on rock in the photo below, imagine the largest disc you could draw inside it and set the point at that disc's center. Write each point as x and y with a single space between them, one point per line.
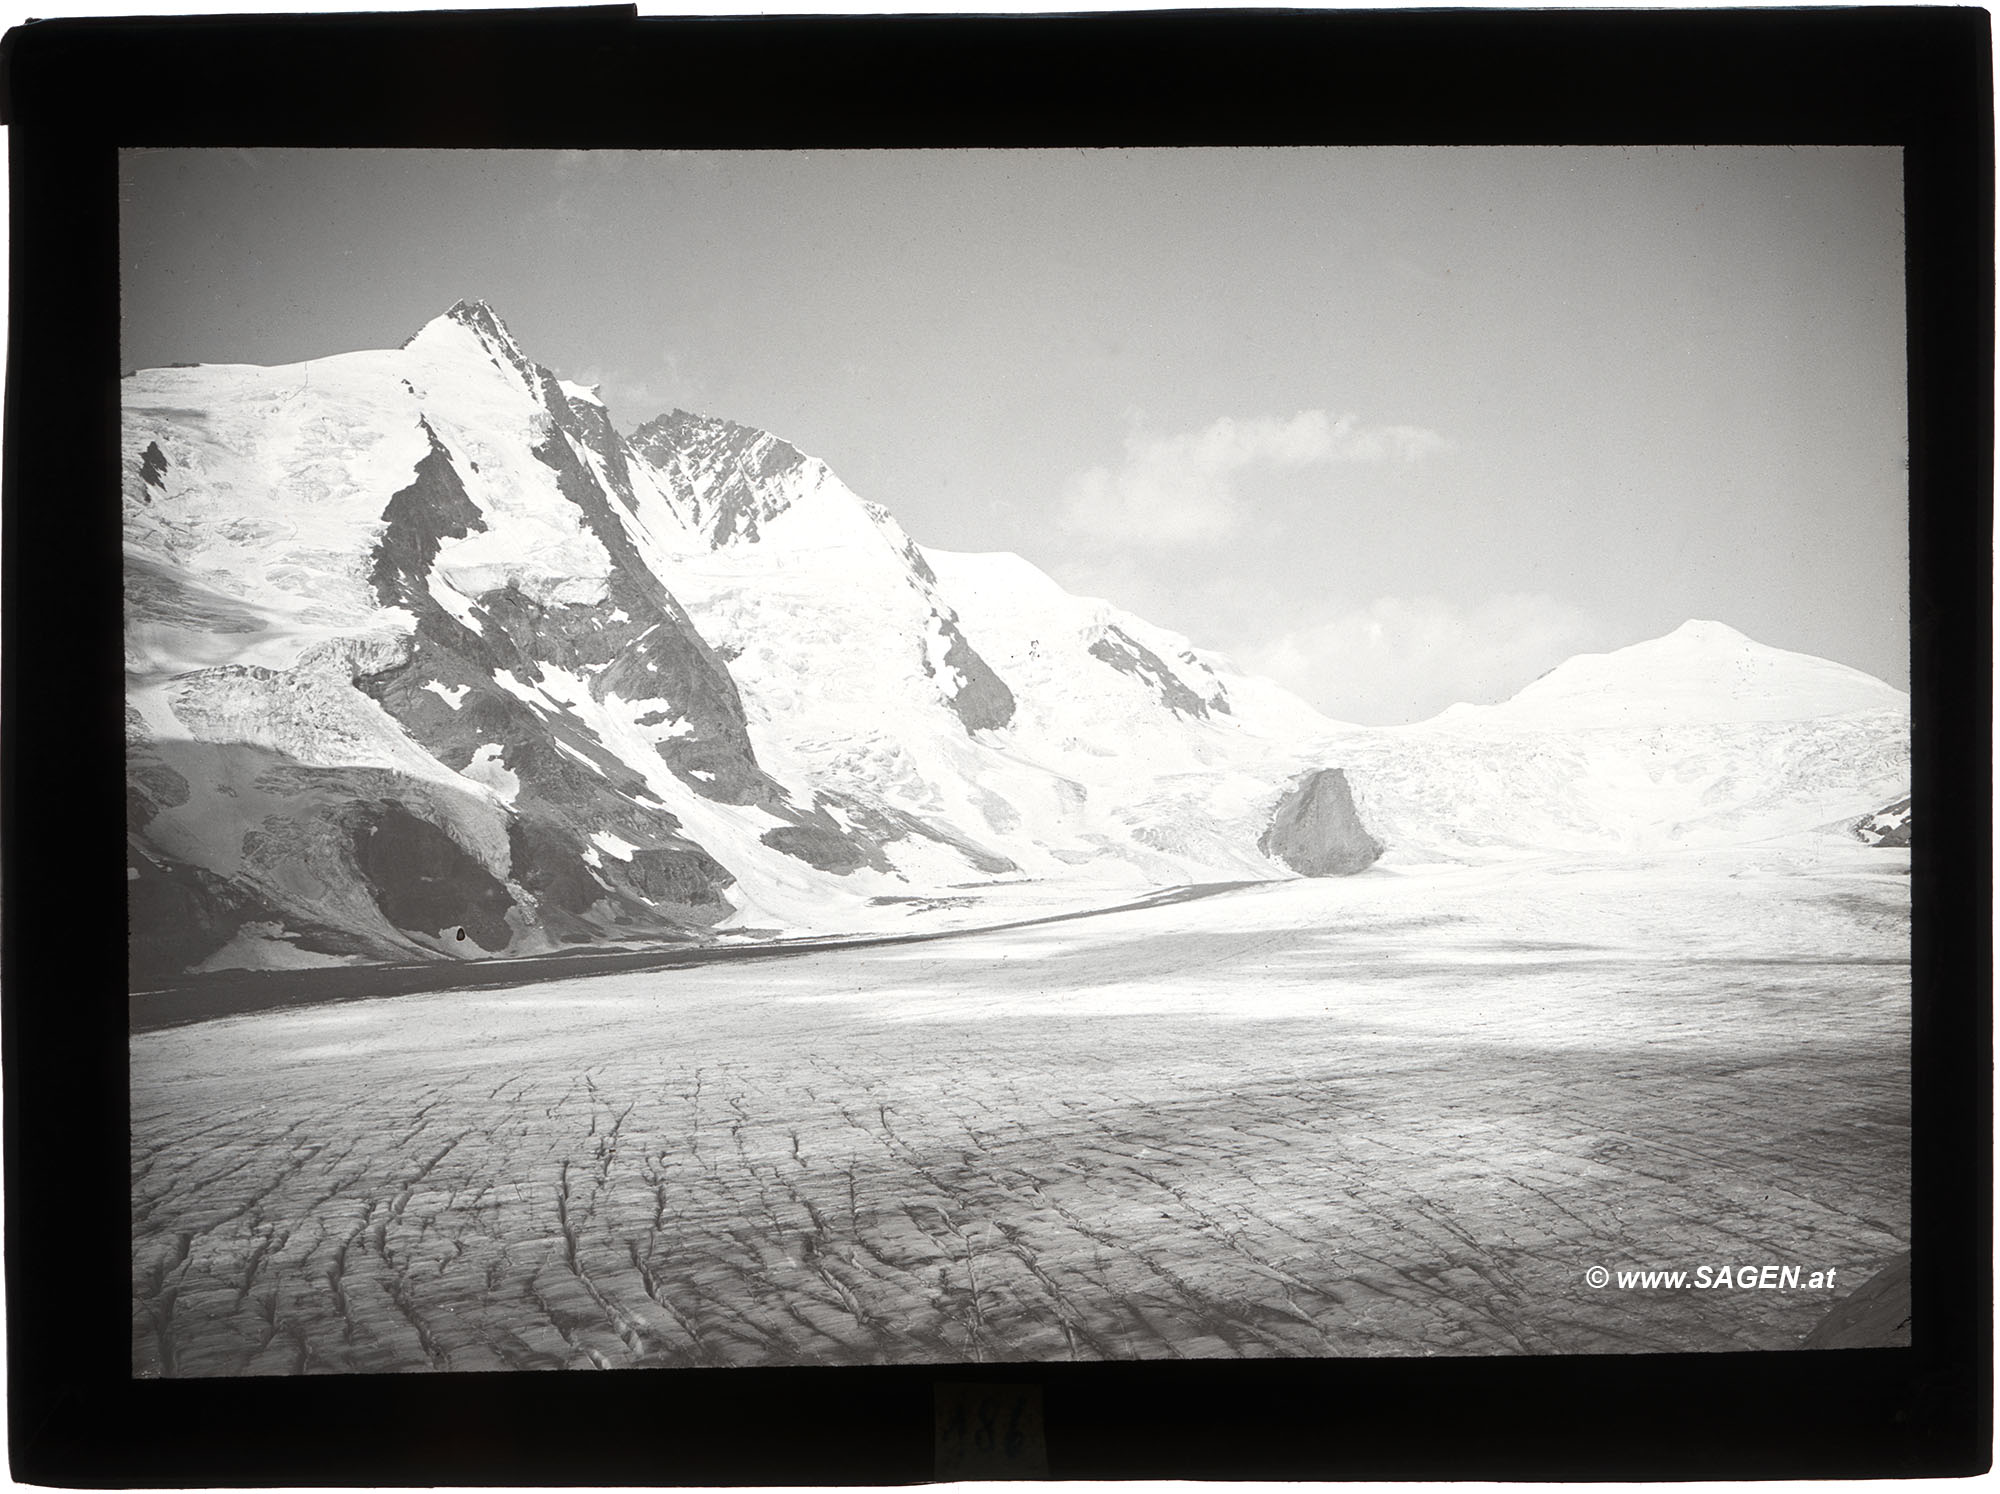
488 771
613 845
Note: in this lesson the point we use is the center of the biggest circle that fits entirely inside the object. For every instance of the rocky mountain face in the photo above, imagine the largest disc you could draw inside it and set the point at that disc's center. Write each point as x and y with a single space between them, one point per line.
426 660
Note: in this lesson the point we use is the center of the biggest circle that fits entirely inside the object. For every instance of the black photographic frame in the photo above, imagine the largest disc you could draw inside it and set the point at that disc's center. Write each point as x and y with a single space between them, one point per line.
77 91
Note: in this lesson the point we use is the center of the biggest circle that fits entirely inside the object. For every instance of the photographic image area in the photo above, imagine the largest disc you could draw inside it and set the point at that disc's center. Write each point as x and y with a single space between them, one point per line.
947 757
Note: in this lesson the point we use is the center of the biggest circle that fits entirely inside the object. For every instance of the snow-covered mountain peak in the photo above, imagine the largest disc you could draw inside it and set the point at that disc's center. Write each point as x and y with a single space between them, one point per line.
484 322
1706 633
1703 671
472 331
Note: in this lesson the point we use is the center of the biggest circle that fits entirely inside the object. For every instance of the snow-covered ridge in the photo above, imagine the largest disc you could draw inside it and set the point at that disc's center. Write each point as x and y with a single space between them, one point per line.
1702 671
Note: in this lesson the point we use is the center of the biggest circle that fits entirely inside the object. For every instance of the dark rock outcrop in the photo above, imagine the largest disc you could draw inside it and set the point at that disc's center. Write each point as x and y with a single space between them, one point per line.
885 824
682 874
1887 826
545 861
820 847
424 881
1128 655
983 701
153 465
432 509
176 915
1315 830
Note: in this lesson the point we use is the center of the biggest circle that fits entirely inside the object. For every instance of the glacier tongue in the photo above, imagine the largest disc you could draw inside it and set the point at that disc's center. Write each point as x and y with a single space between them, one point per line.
418 630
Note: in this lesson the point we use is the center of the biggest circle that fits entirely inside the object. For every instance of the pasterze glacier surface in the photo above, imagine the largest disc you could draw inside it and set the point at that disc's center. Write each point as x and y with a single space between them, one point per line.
881 954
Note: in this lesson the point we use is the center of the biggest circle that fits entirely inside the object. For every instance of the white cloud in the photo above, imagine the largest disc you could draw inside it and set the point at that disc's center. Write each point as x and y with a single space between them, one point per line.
1405 659
1181 489
634 400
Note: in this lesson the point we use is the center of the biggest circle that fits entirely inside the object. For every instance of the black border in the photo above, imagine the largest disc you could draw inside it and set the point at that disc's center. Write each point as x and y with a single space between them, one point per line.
74 91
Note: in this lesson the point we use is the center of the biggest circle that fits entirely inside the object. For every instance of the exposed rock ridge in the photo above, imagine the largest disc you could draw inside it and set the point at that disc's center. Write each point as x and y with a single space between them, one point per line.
982 700
1127 655
726 476
433 508
1887 826
732 482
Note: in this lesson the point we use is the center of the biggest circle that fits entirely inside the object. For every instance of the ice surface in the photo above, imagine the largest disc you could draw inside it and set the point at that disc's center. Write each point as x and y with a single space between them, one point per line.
1393 1114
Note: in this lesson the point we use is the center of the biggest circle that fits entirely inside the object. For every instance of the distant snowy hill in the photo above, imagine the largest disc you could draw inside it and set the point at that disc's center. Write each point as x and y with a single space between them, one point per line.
426 660
1702 671
1698 738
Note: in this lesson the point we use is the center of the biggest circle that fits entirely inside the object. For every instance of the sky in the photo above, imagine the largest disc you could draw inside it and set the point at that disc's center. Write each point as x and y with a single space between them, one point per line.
1396 427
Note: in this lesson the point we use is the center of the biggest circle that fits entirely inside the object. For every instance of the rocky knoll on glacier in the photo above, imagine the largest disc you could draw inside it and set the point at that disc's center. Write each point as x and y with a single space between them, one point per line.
1315 831
426 660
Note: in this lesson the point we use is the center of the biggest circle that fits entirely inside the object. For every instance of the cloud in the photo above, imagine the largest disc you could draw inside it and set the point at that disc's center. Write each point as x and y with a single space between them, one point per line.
1181 489
1405 659
636 398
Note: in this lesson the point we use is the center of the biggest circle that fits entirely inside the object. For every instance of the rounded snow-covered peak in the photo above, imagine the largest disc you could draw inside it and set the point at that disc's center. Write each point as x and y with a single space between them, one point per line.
1705 632
1702 671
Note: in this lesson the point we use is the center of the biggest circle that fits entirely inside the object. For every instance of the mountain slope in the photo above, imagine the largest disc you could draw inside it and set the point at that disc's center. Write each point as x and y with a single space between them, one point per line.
425 659
890 678
399 590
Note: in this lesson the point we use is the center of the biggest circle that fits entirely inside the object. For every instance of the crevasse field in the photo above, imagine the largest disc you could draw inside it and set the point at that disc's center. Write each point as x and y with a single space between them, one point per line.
1401 1113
